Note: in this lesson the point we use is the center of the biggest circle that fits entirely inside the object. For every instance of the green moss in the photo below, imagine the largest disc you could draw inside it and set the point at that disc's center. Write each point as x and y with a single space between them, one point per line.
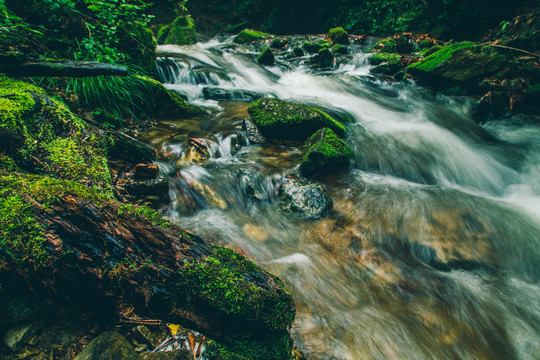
278 43
338 35
274 346
386 45
324 152
144 212
383 57
340 49
425 44
314 48
431 50
180 32
297 50
21 239
54 140
227 281
235 29
266 57
278 119
248 35
445 53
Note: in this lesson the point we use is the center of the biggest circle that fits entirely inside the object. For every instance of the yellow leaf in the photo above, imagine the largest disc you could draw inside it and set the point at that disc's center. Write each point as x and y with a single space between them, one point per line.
174 328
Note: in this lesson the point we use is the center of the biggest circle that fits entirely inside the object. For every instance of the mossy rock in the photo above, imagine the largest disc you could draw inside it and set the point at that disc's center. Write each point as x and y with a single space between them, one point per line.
459 63
315 47
52 139
340 49
324 152
324 59
248 35
181 31
383 57
272 347
387 45
431 50
108 346
279 43
298 52
425 44
266 57
278 119
236 28
138 42
338 35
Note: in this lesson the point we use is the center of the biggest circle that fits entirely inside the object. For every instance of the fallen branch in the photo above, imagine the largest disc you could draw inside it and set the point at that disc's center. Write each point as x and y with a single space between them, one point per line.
515 49
63 68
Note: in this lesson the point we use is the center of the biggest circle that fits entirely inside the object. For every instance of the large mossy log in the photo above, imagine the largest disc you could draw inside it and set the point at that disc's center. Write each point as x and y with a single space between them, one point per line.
91 250
62 68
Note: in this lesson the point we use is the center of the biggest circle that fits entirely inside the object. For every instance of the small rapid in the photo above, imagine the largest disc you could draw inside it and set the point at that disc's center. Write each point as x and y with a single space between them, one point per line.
432 250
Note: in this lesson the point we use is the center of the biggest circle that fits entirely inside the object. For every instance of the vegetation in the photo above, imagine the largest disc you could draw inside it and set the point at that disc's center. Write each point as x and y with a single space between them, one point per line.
324 152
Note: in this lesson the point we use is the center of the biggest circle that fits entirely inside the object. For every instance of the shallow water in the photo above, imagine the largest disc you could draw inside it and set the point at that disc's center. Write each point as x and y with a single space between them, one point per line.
432 250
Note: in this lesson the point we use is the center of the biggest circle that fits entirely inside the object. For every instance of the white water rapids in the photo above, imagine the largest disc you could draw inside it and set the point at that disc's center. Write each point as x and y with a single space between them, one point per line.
433 248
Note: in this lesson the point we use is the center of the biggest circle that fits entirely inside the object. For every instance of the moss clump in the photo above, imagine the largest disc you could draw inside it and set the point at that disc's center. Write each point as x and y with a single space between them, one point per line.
340 49
314 48
338 35
324 152
298 52
180 32
431 50
274 346
21 239
144 212
435 59
324 59
248 35
266 57
53 140
228 282
278 119
386 45
279 43
383 57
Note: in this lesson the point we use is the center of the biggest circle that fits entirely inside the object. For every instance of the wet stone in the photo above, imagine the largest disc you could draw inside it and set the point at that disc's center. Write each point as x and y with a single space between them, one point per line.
303 198
108 346
145 172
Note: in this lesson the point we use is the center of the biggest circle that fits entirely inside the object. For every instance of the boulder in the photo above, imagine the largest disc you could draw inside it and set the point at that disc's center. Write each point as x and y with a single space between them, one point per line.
323 59
180 32
252 131
247 35
492 105
279 43
303 198
315 47
143 189
108 346
278 119
298 52
266 57
18 336
457 64
198 152
324 152
388 64
338 35
340 49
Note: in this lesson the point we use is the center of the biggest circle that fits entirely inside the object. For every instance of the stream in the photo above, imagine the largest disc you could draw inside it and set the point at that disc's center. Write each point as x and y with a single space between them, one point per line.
432 250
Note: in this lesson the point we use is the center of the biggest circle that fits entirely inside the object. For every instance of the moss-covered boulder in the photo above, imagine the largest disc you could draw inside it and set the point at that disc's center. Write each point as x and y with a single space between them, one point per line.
298 52
181 31
323 59
137 42
340 49
279 43
48 138
315 47
266 57
278 119
458 63
248 35
387 64
323 153
338 35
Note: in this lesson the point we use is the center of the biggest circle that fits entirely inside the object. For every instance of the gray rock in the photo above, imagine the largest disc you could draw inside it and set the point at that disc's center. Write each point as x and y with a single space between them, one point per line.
108 346
303 198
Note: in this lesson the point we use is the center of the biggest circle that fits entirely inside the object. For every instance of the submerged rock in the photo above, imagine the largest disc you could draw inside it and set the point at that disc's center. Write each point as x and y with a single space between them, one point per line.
338 35
266 57
108 346
303 198
198 152
220 94
324 152
278 119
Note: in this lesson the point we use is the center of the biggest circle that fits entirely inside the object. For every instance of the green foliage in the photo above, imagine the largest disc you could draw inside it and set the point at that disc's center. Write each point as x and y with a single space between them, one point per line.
432 61
248 35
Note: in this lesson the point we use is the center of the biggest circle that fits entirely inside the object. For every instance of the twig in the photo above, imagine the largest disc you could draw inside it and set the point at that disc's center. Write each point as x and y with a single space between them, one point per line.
515 49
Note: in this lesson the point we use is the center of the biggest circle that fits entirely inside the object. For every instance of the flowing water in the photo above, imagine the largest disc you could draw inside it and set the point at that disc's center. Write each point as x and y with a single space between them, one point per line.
432 250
